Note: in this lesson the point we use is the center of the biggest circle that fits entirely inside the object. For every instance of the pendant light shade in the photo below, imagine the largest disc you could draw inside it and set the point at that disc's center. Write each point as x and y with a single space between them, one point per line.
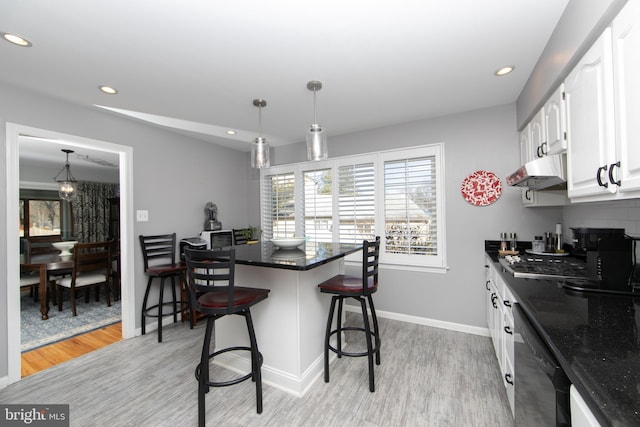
316 135
260 147
67 184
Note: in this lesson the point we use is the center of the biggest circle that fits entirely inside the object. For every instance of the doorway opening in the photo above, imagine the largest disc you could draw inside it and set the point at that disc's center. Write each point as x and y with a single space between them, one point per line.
124 154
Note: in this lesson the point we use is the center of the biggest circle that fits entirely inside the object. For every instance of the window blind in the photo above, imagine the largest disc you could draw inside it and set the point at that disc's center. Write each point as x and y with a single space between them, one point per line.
318 205
410 211
278 206
356 203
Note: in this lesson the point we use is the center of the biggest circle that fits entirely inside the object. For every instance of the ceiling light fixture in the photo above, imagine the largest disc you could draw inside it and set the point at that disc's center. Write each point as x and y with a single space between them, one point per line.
231 132
16 39
67 185
260 148
108 90
316 135
505 70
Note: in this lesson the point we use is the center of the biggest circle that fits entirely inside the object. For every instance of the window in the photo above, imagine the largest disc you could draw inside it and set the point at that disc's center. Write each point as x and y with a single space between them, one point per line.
278 206
397 195
318 203
39 217
356 202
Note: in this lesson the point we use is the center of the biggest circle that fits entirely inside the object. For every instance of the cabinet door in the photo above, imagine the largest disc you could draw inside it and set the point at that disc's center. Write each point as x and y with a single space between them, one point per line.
526 151
590 121
538 135
626 65
554 123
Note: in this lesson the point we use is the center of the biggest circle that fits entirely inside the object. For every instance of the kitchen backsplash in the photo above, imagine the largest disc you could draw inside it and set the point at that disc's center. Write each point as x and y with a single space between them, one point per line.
617 214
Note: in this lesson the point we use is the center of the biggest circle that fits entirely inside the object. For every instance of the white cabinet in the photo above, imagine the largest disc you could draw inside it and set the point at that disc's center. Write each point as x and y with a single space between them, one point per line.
538 135
500 324
554 111
603 106
590 121
581 415
531 198
626 67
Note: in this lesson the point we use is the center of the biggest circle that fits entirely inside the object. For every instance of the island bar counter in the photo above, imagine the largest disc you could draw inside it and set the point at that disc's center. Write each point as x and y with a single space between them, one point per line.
290 324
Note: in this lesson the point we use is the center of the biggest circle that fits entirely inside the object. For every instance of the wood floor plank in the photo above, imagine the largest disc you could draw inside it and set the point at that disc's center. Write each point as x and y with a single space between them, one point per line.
53 354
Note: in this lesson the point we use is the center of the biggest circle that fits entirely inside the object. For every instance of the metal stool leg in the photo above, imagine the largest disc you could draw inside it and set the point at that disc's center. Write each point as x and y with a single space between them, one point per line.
367 330
327 337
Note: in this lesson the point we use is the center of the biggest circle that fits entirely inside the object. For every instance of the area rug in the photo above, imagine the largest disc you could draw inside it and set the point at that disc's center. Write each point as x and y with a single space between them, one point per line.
61 324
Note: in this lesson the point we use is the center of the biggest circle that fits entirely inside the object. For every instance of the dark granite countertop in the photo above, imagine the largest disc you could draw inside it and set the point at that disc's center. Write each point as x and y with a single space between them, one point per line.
596 339
309 255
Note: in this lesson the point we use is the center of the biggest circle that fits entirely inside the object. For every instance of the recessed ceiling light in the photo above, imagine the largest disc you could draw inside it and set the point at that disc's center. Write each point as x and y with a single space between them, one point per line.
505 70
231 132
15 39
108 90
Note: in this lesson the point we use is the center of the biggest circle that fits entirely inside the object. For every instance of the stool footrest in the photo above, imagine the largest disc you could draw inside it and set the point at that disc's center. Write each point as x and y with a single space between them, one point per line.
235 380
165 304
375 348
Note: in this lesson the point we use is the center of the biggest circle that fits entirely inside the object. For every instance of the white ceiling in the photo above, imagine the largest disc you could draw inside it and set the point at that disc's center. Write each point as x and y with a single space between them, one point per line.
196 65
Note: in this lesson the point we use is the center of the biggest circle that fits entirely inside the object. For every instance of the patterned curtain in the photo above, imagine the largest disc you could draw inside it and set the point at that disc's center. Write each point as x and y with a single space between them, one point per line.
91 211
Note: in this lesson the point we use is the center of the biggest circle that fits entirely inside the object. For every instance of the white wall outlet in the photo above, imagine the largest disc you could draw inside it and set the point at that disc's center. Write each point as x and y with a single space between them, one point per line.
142 216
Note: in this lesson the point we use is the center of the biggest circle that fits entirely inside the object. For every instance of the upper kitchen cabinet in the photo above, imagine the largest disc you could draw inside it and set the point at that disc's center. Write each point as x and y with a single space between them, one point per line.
590 121
624 172
555 123
603 106
538 135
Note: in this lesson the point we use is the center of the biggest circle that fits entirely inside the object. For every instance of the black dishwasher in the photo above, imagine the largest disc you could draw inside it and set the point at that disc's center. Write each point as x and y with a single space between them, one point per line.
541 386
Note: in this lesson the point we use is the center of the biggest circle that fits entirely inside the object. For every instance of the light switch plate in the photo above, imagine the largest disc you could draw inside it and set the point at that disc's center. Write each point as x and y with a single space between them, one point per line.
142 216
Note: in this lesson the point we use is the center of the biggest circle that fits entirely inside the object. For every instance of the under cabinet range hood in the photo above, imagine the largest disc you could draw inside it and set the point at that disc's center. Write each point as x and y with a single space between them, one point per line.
548 172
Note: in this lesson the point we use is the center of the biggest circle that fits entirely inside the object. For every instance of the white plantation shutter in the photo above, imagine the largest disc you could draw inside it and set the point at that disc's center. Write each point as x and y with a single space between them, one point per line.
410 206
396 194
278 206
356 203
318 205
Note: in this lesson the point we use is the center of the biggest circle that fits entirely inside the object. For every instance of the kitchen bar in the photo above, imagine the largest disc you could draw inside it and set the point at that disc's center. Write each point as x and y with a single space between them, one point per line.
290 324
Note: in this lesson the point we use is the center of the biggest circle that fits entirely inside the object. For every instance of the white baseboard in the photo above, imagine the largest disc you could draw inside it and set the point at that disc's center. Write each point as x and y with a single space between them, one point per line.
458 327
4 382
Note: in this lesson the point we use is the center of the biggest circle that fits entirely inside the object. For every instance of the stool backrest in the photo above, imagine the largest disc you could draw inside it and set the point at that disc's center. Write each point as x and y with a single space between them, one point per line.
159 249
211 271
370 259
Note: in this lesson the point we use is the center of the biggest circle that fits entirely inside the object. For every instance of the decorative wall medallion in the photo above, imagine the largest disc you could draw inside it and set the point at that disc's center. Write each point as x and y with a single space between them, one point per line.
481 188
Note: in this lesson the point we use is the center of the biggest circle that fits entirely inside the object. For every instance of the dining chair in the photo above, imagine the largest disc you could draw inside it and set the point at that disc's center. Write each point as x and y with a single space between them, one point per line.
91 268
211 285
159 255
359 288
239 236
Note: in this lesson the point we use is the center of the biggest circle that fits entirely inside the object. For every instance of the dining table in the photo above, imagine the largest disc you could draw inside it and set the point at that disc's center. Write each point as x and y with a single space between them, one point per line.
290 324
49 265
46 265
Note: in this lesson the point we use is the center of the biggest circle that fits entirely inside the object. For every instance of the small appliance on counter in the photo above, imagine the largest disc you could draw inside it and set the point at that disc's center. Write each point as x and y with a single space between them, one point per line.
211 222
192 243
609 256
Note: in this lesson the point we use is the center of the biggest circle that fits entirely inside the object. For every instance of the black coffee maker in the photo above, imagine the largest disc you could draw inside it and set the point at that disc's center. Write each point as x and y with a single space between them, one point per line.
609 255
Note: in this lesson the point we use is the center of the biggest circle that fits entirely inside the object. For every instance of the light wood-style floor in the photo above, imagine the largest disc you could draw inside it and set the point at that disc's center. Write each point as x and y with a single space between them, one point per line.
53 354
428 377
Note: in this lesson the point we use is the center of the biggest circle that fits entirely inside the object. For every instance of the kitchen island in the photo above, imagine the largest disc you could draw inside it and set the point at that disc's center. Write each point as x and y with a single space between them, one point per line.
290 324
596 339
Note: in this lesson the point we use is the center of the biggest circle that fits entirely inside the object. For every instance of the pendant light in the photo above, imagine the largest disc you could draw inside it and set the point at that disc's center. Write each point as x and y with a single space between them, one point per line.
67 185
316 135
260 148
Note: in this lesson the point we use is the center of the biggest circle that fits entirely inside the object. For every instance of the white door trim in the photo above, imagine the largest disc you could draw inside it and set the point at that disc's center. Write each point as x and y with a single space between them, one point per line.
125 154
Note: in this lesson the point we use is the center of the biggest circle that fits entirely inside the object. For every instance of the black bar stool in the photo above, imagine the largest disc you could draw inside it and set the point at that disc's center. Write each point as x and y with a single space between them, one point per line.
359 288
211 276
159 253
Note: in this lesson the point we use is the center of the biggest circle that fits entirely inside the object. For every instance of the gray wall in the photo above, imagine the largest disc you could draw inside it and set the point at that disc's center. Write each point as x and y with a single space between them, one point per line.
484 139
174 176
581 23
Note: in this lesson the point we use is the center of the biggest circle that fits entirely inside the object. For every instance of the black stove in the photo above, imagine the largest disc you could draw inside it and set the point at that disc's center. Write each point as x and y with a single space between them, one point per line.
532 266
